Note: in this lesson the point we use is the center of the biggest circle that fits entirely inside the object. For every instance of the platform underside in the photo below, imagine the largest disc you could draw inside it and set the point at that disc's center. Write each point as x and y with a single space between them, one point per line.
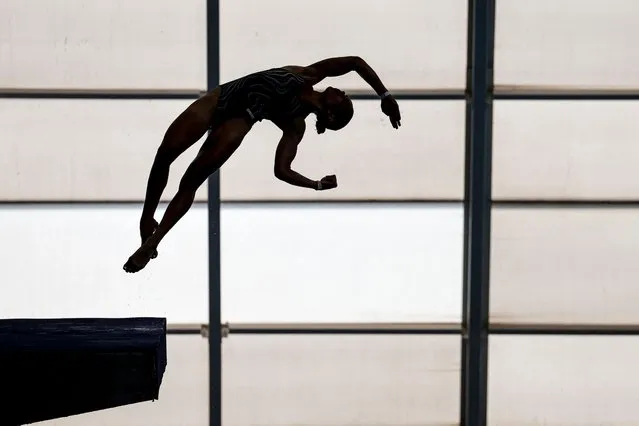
51 368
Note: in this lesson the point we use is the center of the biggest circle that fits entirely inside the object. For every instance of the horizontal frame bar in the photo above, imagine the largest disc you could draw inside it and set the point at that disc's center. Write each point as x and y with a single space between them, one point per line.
565 330
185 329
444 94
566 97
410 329
565 203
81 202
344 331
569 94
440 201
531 203
182 332
342 328
412 95
247 203
452 94
169 94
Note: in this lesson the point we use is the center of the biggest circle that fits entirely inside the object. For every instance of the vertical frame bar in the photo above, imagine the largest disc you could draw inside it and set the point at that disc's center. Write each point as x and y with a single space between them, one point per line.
477 232
215 337
467 151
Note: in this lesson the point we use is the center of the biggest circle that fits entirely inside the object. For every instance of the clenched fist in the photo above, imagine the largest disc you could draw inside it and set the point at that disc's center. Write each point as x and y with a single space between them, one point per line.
327 182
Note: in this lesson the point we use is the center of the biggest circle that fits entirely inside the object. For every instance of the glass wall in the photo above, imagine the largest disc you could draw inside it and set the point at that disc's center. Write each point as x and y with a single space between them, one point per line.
344 306
73 170
383 250
564 223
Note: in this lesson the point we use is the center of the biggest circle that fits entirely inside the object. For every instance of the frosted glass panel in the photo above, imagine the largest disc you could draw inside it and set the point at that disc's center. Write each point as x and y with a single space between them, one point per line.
66 261
566 150
111 44
85 150
340 380
103 149
184 395
424 159
420 45
567 43
342 263
564 265
563 381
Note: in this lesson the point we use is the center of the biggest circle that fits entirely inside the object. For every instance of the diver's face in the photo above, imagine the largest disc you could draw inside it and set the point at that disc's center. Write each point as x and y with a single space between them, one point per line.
337 109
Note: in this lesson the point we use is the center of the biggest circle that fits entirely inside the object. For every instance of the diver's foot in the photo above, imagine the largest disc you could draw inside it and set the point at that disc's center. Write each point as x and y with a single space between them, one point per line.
139 259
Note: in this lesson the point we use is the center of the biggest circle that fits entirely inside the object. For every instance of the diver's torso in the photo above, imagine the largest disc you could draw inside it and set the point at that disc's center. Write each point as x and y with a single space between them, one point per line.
272 94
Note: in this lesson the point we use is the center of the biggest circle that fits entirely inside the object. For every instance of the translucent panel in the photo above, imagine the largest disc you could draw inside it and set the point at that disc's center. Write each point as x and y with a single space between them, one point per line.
563 381
103 150
567 44
87 149
340 380
424 159
184 394
66 261
567 265
420 45
566 150
341 263
112 44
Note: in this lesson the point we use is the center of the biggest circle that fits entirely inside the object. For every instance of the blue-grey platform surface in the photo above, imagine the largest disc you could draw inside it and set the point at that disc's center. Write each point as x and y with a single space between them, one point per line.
51 368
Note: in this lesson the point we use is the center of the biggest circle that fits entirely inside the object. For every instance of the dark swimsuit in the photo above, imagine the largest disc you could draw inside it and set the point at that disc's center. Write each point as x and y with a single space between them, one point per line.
272 94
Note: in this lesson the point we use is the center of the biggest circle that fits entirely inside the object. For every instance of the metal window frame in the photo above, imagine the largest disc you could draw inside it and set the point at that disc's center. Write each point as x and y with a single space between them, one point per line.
213 202
475 327
477 212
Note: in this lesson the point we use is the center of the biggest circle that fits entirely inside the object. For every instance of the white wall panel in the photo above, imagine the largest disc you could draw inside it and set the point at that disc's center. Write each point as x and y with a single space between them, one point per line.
361 257
423 159
563 381
567 43
565 266
184 395
103 150
566 150
413 44
66 261
342 263
340 380
78 150
111 44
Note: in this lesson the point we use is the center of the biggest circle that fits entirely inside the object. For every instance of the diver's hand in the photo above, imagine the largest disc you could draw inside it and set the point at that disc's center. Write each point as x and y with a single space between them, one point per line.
391 109
327 182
